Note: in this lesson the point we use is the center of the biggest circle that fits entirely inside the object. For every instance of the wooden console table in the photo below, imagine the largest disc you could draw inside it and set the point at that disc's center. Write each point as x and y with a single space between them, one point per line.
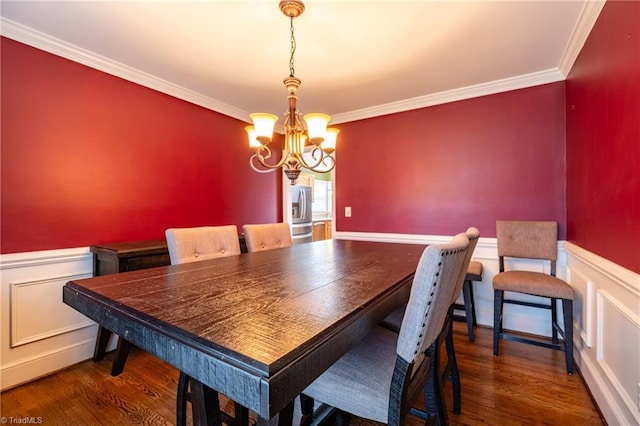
114 258
124 257
130 256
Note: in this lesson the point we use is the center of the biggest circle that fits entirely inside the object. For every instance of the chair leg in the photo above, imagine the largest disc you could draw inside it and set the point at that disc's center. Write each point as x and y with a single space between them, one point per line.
433 392
554 319
473 304
342 418
306 405
455 373
498 296
469 310
567 310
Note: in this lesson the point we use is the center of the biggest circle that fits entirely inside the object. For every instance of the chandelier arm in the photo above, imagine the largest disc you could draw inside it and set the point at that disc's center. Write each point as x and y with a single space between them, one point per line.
318 161
331 162
257 169
327 161
262 159
330 166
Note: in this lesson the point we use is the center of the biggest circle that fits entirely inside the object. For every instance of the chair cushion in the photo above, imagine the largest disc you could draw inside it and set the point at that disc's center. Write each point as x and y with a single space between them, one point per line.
360 382
534 283
474 271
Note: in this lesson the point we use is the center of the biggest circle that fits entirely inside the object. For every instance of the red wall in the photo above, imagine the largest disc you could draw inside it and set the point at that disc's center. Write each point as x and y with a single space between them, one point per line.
441 169
88 157
603 138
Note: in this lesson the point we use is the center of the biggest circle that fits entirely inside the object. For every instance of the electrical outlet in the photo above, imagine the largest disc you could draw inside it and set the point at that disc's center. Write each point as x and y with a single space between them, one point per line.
347 212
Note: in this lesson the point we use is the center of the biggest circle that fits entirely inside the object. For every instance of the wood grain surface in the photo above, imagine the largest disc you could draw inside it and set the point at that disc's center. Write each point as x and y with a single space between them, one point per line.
258 327
525 385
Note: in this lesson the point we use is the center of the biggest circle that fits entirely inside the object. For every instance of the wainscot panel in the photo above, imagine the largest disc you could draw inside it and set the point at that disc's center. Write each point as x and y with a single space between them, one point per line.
607 321
40 334
606 317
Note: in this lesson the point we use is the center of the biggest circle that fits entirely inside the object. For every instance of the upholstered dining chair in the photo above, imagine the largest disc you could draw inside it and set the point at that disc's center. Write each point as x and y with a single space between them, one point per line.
267 236
532 240
188 245
468 305
201 243
191 245
449 370
382 376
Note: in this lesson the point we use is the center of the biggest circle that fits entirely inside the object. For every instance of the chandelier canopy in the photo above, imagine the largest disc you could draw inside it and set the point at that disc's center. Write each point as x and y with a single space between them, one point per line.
309 132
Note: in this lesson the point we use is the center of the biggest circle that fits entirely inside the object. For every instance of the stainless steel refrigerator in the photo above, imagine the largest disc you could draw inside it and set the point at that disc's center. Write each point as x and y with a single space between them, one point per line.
301 214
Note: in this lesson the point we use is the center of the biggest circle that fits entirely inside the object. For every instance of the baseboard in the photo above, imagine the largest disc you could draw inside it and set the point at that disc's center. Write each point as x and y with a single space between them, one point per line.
43 364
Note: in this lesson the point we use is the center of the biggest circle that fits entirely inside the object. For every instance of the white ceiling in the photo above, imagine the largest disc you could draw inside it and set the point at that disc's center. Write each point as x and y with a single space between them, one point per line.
356 59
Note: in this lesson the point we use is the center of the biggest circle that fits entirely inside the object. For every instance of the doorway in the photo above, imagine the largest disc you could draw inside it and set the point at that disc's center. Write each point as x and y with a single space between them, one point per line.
322 203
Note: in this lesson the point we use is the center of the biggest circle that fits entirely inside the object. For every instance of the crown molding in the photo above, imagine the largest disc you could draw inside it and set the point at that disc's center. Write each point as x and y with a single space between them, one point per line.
42 41
581 31
490 88
586 21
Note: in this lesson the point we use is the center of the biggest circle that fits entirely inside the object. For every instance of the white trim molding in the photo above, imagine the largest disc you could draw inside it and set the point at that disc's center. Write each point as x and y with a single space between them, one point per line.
607 315
477 90
40 40
30 302
40 334
586 21
48 43
534 321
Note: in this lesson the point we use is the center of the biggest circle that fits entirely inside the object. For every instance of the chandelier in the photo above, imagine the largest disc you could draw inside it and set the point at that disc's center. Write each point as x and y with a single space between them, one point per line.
309 132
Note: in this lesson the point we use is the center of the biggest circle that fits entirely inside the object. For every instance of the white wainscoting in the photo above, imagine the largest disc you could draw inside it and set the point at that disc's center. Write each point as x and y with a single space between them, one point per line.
519 318
607 324
606 317
40 334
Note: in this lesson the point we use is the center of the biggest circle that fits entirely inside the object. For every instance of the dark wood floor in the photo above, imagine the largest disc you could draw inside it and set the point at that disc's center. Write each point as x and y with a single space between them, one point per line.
525 385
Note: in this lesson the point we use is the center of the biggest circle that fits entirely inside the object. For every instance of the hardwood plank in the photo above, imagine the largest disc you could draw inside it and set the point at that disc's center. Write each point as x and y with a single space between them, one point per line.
525 385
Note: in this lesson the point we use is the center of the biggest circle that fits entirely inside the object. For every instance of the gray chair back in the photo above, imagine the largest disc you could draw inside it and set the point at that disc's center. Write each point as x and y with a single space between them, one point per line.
201 243
472 234
431 293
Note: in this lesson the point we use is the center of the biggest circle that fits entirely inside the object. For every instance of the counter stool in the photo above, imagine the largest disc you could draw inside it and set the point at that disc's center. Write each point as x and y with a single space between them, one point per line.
474 273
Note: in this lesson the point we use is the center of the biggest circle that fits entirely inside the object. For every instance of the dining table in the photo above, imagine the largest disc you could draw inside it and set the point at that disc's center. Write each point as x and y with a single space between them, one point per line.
257 327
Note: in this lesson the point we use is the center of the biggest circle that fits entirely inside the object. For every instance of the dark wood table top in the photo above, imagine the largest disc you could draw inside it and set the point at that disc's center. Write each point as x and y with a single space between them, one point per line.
258 327
132 248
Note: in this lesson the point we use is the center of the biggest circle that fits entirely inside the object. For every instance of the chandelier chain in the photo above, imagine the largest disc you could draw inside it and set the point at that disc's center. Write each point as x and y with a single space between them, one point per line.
293 50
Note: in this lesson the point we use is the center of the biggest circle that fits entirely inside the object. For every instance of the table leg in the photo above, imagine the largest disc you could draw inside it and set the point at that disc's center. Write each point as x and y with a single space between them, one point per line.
122 352
205 404
284 418
102 340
